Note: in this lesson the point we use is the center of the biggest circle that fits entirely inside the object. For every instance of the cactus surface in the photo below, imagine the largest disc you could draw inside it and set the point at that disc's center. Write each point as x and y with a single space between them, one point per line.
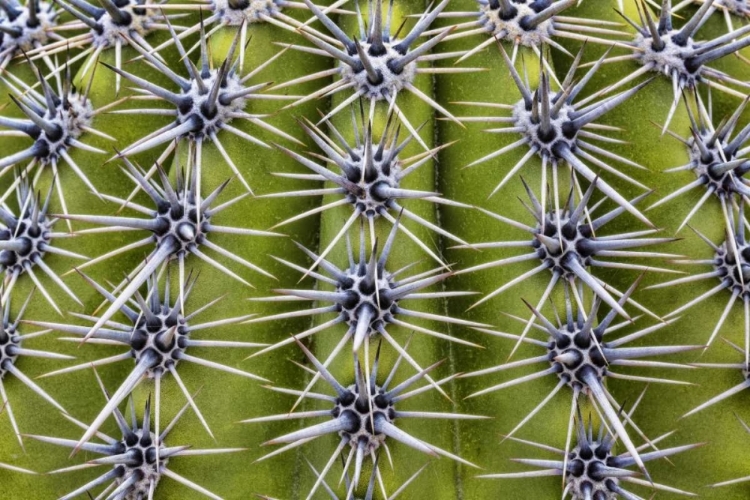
374 250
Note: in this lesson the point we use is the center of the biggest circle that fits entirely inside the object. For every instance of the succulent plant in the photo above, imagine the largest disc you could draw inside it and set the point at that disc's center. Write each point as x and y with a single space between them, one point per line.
55 121
363 416
13 351
590 469
552 126
27 238
25 28
717 158
139 459
565 241
278 191
581 358
180 223
370 179
112 26
157 339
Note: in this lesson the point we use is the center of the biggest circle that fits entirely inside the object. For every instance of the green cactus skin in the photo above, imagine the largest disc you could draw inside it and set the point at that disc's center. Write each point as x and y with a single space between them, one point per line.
222 394
226 399
716 425
424 349
481 442
646 147
265 213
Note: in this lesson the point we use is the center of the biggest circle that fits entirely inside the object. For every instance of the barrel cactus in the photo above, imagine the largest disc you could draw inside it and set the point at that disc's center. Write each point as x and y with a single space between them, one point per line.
374 250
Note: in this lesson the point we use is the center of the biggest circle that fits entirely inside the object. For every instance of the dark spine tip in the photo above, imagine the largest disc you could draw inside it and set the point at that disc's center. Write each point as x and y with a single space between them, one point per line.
238 4
693 65
507 11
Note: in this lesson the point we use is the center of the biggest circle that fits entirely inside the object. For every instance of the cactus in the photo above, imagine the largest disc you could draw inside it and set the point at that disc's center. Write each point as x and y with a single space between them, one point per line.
297 225
139 458
593 471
